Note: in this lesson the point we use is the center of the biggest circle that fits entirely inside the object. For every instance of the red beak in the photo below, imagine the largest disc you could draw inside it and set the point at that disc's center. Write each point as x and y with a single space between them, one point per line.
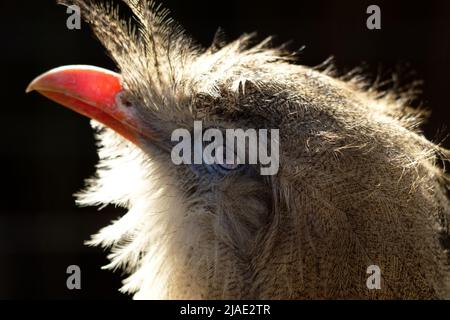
93 92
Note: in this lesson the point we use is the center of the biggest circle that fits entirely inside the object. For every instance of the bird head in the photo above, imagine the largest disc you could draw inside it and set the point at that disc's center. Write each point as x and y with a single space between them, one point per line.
217 231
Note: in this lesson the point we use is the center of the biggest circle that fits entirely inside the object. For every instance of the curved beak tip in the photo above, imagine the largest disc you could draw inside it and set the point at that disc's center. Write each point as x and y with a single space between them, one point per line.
30 87
34 84
90 91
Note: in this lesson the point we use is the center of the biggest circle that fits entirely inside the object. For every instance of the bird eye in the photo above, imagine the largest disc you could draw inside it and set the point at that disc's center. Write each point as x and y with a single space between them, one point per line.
218 163
225 169
226 166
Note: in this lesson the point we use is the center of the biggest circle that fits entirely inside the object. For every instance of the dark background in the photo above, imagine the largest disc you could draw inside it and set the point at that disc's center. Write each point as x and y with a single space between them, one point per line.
48 151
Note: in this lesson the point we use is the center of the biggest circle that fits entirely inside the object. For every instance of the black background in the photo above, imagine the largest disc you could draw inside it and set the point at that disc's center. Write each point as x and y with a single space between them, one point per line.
47 151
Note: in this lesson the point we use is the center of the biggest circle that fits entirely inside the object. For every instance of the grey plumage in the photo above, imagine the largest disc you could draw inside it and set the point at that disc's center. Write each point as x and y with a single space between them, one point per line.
358 183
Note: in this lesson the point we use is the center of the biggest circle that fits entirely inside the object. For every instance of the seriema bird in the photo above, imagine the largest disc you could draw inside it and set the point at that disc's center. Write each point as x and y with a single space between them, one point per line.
358 184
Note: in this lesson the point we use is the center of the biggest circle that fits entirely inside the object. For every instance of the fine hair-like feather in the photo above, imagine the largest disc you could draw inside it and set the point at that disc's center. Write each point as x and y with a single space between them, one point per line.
358 184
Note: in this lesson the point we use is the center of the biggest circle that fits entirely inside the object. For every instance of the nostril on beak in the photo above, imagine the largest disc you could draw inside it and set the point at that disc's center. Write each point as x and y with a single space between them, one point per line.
122 100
